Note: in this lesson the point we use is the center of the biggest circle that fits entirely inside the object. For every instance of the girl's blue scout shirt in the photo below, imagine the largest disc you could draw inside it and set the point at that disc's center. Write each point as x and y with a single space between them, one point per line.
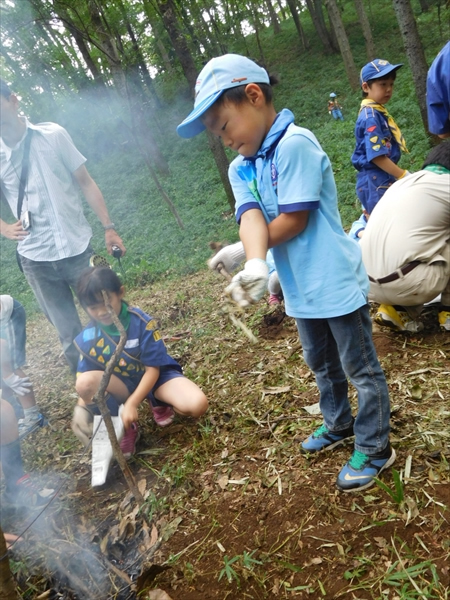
144 347
320 269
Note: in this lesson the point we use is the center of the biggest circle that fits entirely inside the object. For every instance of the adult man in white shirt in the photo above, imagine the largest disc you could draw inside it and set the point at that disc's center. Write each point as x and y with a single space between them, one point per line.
406 245
55 249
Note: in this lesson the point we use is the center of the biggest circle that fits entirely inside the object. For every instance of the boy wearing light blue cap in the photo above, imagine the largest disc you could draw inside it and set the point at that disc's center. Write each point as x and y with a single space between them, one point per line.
379 142
286 199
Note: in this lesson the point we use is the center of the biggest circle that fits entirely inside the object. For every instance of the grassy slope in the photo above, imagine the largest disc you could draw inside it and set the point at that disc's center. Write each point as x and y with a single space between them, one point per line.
156 246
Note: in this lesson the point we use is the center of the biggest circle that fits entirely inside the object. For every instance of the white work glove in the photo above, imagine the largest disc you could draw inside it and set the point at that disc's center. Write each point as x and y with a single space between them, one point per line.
249 285
82 424
20 385
230 256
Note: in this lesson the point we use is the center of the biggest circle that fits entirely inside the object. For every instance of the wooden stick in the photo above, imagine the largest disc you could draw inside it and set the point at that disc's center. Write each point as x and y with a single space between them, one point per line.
99 399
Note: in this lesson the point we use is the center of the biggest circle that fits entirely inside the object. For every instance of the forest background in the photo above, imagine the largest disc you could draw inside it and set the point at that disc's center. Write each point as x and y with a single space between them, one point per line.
119 76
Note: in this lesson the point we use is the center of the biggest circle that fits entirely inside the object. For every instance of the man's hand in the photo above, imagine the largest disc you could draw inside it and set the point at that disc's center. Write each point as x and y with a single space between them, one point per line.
20 385
249 285
112 238
13 231
230 256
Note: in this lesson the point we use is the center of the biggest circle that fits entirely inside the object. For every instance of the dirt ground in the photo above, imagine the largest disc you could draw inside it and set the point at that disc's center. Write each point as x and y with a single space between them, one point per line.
233 510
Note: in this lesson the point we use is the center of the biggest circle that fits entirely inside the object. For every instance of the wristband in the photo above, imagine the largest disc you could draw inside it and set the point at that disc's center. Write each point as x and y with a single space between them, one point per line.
406 172
109 226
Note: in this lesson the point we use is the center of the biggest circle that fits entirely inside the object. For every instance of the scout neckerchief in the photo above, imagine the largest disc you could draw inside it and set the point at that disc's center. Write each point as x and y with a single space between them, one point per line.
247 170
124 318
439 169
391 123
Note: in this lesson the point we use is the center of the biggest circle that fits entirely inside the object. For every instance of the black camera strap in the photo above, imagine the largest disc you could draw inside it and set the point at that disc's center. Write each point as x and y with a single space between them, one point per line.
24 173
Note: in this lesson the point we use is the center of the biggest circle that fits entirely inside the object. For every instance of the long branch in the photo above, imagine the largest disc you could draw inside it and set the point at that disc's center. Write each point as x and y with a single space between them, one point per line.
99 399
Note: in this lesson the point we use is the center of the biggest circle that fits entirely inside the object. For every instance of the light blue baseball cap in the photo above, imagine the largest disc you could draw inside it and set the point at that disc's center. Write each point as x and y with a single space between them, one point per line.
219 74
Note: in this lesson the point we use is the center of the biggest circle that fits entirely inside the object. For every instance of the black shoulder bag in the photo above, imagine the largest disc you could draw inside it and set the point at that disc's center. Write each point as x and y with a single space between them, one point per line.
22 183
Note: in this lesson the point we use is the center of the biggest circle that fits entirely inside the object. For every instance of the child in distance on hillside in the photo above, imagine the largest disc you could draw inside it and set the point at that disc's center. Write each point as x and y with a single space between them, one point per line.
145 370
379 142
334 108
286 199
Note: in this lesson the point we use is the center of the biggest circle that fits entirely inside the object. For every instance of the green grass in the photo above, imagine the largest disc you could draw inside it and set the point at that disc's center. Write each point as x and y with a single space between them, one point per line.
157 247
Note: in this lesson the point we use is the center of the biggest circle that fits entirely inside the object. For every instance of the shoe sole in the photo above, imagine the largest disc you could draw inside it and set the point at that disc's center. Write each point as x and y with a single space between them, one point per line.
372 481
329 447
390 324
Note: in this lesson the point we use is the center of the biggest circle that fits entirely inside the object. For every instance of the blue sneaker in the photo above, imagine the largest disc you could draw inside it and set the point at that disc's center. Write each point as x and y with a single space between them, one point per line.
360 471
324 439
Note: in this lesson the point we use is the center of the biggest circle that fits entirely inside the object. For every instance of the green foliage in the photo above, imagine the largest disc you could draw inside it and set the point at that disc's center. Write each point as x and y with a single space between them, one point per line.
397 494
228 569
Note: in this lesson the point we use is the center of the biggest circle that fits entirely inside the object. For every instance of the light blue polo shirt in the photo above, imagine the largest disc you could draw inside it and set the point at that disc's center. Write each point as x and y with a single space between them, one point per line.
320 269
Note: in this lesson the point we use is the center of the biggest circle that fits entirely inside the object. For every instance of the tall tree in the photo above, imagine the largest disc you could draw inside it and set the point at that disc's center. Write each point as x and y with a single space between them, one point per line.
366 29
273 17
168 14
298 25
315 11
344 44
414 52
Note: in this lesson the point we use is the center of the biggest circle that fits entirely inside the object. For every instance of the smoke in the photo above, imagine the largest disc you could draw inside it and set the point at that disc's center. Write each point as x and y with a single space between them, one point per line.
56 546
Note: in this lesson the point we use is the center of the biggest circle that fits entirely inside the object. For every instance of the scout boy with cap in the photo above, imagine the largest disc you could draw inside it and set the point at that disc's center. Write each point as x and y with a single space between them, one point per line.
379 142
286 199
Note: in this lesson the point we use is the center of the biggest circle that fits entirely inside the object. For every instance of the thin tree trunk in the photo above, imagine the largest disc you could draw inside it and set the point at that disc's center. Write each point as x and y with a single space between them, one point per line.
424 6
414 52
166 8
298 25
366 29
7 584
273 17
320 28
344 45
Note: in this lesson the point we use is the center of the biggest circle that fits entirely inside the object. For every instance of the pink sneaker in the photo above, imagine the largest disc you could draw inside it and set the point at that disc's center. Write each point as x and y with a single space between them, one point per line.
128 443
163 415
274 299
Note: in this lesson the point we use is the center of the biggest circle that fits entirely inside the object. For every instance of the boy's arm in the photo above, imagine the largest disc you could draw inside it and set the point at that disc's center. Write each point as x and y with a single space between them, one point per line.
286 226
385 164
130 413
254 234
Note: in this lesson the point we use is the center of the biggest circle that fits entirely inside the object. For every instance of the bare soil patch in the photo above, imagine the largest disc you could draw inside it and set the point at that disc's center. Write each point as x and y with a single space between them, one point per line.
234 510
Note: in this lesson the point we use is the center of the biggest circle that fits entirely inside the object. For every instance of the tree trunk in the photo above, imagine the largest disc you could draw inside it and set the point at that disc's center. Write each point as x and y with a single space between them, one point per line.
298 25
282 10
424 6
179 43
222 164
320 28
366 29
7 585
344 45
273 17
414 52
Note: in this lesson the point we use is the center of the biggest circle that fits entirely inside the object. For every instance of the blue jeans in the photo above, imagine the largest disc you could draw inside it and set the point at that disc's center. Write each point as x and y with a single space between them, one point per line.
52 283
342 347
14 332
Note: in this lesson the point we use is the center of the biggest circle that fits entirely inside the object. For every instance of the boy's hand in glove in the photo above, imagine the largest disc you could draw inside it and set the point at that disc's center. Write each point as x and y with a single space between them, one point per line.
230 257
20 385
249 285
